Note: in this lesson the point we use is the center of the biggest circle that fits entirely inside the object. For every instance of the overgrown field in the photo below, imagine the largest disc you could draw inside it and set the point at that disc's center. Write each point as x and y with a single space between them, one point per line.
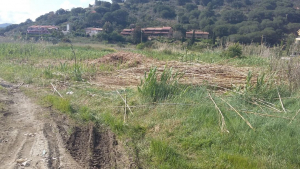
163 122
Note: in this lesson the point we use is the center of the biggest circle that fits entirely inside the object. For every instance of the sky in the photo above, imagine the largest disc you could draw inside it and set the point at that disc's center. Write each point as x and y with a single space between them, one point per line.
17 11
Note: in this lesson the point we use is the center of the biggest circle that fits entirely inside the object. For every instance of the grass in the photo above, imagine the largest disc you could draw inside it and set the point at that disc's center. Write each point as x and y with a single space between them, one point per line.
207 56
179 130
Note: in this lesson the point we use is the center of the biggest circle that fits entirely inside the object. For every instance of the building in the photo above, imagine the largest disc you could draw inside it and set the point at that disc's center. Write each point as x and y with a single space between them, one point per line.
198 35
41 29
67 30
93 31
127 32
151 32
155 32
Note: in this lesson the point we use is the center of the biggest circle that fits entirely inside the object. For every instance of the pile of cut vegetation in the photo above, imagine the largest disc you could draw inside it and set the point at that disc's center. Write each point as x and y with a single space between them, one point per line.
120 58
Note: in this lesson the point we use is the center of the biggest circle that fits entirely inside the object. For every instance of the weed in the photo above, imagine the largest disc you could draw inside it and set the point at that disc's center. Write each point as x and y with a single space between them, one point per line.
158 89
85 114
61 104
166 157
48 73
234 50
77 73
63 66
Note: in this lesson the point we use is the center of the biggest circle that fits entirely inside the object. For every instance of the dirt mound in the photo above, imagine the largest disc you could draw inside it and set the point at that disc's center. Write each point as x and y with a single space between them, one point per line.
130 59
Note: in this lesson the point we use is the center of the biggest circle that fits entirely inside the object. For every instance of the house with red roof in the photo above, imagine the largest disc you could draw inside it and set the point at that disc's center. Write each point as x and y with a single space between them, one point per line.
41 29
127 32
151 32
160 31
198 35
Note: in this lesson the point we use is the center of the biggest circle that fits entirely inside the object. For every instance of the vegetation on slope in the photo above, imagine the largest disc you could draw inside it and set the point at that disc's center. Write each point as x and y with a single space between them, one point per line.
244 21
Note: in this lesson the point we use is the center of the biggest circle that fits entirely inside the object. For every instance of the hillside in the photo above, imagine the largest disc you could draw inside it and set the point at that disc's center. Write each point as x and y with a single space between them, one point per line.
4 25
244 21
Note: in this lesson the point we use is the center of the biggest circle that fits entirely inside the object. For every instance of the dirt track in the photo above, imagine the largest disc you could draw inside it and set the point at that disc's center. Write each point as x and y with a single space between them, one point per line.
30 137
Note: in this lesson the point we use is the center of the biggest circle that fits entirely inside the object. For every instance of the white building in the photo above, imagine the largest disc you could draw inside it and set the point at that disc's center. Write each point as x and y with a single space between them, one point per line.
93 31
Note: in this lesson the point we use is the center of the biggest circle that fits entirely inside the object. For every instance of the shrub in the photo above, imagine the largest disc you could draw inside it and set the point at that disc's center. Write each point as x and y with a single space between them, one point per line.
140 46
234 50
158 89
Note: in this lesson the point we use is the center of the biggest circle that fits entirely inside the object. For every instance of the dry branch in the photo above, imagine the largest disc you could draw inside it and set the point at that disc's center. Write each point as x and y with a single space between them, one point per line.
247 122
265 105
281 102
56 90
267 115
124 101
223 125
294 116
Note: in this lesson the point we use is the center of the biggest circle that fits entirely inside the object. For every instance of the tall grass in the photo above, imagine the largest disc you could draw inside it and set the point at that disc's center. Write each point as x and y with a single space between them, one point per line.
160 88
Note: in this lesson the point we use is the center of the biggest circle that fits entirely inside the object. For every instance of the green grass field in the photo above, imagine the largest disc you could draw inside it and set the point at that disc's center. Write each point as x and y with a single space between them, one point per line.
171 125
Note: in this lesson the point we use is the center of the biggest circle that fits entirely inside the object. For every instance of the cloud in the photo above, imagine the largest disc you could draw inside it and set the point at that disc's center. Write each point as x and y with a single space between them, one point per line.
18 11
83 3
13 17
67 5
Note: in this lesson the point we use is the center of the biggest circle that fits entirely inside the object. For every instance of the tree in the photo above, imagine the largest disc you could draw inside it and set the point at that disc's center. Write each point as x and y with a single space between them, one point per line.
182 2
195 13
180 28
114 7
184 19
260 14
107 27
233 16
108 17
28 21
102 10
268 4
234 50
60 12
208 12
190 6
76 11
120 16
221 30
204 22
116 37
105 4
168 14
93 17
136 35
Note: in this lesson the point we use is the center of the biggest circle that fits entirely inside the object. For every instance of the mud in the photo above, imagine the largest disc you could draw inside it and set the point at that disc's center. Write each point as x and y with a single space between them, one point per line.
35 137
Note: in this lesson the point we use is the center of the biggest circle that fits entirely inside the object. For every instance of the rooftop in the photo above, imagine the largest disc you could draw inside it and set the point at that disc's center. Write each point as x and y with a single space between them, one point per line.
94 29
198 33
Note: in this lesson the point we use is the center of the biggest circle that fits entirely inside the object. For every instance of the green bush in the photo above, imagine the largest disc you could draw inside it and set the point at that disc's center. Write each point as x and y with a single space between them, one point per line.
234 50
158 89
140 46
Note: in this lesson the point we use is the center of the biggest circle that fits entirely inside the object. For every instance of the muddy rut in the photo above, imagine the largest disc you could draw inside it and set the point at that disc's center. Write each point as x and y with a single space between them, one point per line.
36 137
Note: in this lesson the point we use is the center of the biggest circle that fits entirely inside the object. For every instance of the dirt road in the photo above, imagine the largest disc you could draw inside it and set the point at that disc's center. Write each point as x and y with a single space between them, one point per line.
27 140
31 138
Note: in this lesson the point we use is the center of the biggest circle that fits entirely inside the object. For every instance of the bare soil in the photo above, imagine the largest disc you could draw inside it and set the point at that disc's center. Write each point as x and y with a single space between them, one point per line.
133 68
129 68
35 137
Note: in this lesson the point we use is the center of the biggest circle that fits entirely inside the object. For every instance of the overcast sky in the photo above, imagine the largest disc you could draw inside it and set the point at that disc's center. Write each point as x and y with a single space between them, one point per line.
17 11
